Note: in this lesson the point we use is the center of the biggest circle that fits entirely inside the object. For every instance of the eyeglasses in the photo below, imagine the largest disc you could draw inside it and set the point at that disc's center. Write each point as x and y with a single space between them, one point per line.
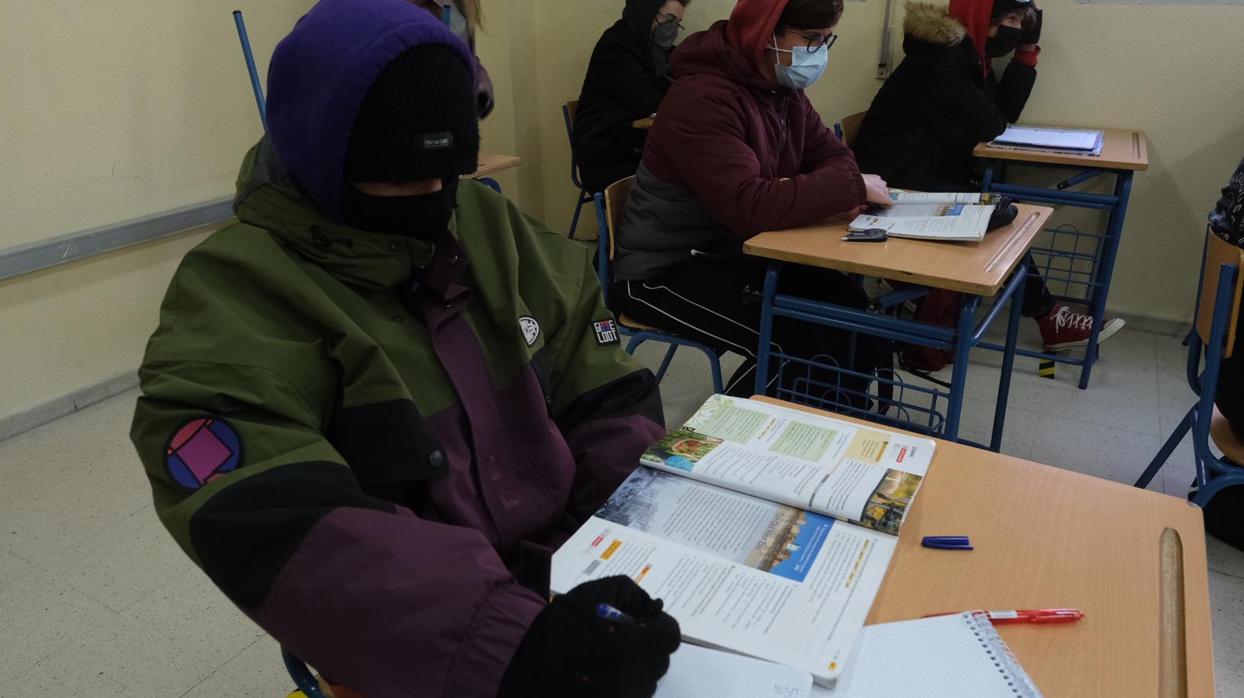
664 19
815 41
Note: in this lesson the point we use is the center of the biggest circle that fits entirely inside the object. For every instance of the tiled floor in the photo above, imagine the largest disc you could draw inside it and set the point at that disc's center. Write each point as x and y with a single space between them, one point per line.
96 600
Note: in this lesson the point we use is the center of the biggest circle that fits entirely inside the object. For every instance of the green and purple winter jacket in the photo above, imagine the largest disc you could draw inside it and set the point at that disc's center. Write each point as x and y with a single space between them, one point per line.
351 433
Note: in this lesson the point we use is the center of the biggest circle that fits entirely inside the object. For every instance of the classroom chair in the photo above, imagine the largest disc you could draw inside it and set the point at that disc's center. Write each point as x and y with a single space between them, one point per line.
585 196
610 206
849 127
1217 317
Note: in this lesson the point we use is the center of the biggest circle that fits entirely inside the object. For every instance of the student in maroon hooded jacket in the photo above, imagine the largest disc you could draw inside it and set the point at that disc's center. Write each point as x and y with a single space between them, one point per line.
738 149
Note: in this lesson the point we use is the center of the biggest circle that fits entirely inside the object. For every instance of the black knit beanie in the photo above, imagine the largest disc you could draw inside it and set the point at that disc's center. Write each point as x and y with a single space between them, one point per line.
418 120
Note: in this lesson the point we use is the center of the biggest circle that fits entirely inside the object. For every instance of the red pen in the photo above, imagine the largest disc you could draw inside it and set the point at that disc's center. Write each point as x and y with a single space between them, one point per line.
1044 615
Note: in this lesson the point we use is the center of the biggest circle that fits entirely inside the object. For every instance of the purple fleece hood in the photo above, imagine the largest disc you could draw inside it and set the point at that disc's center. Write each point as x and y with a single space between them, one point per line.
321 72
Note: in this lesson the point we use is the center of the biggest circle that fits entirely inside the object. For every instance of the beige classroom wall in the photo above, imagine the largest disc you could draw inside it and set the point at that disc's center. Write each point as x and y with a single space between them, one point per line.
128 108
111 111
1169 70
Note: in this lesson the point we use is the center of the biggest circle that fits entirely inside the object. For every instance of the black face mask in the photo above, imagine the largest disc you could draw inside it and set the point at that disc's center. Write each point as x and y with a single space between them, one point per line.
1005 42
665 34
420 216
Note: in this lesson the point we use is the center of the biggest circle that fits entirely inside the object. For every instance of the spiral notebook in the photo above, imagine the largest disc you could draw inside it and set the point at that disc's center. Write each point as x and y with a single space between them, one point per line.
958 655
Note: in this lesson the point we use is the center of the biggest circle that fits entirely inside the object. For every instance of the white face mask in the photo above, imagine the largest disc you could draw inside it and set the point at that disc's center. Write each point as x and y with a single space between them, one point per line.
805 67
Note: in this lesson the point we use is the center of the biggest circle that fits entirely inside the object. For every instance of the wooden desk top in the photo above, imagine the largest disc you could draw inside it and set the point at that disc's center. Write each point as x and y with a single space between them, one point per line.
645 122
979 268
1122 149
1044 538
492 163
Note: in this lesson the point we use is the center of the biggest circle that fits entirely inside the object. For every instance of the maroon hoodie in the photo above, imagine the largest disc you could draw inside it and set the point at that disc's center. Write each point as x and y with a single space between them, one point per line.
729 156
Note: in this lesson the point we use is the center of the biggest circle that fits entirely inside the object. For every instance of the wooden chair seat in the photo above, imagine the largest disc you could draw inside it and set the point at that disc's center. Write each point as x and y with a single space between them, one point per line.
1225 438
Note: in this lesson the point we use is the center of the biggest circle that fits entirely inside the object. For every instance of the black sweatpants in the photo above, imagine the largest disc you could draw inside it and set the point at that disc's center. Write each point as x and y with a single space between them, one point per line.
718 303
1037 299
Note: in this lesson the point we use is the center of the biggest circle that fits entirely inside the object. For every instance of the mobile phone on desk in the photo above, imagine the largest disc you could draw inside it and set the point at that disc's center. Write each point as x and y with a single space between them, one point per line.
869 235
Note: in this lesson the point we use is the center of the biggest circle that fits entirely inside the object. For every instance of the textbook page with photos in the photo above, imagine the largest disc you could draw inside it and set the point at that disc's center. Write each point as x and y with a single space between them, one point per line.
753 574
930 216
866 475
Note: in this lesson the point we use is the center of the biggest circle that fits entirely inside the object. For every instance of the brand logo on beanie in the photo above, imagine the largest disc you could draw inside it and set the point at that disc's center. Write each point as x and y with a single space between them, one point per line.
436 141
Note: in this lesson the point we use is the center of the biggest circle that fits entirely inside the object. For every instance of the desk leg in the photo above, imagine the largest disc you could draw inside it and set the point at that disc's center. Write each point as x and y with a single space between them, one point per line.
958 378
766 327
988 179
1114 234
1008 357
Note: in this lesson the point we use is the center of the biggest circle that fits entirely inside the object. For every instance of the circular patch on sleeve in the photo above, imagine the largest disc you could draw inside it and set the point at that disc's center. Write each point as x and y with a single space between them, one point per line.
200 450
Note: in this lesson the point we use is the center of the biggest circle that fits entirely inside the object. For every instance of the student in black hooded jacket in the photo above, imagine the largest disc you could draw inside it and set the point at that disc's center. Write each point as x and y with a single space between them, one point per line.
943 99
626 80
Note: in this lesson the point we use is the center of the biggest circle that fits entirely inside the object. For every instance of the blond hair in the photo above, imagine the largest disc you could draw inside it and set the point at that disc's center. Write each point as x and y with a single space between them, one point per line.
469 8
474 13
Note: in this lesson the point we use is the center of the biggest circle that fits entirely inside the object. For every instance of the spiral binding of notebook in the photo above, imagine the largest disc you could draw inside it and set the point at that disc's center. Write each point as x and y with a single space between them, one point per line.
1003 659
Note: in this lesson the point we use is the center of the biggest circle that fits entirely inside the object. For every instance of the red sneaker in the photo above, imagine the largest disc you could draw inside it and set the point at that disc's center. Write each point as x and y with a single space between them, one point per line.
1063 328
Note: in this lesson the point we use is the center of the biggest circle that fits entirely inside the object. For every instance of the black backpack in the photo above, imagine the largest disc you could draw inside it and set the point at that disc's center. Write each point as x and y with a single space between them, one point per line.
1224 516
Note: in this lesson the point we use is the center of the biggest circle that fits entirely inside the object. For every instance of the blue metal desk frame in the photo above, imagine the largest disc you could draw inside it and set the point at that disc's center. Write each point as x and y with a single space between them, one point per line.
960 339
1103 264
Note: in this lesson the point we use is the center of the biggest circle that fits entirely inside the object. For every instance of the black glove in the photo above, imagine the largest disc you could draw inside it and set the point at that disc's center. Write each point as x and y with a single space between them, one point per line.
570 652
1031 31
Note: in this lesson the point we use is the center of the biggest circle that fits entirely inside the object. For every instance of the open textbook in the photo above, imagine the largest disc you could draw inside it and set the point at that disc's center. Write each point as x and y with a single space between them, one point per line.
1062 140
931 216
767 531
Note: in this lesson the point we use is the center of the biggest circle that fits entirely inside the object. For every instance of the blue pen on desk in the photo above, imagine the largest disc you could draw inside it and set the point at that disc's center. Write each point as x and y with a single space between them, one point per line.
609 613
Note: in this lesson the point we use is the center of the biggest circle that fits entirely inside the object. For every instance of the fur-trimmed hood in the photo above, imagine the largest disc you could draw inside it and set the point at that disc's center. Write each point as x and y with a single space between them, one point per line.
932 24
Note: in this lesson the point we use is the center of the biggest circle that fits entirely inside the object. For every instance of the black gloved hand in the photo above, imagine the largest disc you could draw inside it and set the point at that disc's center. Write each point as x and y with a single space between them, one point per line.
1030 33
570 652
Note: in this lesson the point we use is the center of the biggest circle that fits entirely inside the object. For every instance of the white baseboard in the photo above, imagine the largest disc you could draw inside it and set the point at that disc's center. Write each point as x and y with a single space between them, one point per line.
68 404
1153 325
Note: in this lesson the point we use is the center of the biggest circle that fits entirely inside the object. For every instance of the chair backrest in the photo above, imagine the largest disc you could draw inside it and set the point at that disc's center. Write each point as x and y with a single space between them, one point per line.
851 127
1217 253
569 109
610 210
616 195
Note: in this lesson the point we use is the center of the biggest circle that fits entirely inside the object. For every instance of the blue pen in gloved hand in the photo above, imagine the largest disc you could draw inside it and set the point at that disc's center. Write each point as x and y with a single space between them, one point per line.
610 613
606 638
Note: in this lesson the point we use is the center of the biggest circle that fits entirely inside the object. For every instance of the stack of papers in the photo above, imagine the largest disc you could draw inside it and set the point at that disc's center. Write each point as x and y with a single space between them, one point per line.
699 672
1080 142
931 216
